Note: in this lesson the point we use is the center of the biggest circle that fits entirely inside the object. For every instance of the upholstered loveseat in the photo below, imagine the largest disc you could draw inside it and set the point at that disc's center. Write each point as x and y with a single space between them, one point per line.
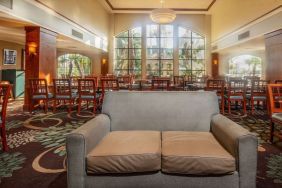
161 139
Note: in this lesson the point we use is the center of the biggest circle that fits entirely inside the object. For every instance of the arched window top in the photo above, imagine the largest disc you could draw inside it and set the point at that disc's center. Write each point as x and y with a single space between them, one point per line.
245 65
73 65
186 32
134 32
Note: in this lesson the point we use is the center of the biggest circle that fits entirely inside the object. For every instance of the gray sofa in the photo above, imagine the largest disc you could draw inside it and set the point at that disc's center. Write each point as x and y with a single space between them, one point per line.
163 111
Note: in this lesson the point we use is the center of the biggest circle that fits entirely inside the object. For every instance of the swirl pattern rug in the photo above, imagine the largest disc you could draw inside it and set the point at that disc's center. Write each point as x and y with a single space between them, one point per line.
37 154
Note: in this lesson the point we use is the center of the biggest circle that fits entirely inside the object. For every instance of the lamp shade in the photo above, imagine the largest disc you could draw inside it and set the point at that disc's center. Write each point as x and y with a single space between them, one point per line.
163 16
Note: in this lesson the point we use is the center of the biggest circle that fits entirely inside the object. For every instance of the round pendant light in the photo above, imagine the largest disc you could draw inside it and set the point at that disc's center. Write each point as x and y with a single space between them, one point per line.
163 15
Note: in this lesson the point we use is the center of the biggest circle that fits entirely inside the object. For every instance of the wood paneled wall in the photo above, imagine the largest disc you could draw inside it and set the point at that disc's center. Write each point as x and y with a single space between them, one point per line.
273 50
40 61
215 65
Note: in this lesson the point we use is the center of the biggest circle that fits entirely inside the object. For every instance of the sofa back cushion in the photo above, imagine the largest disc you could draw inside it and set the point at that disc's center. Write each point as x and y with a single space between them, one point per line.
162 111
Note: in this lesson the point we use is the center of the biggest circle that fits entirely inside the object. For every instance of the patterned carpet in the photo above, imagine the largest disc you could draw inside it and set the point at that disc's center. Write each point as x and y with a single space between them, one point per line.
37 155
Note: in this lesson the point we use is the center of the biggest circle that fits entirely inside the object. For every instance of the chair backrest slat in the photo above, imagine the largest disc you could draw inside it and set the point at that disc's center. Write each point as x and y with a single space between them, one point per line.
275 97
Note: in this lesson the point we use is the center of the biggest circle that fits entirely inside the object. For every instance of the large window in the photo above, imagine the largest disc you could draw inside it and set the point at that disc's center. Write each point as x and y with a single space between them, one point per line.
159 50
73 65
161 42
191 52
245 65
128 52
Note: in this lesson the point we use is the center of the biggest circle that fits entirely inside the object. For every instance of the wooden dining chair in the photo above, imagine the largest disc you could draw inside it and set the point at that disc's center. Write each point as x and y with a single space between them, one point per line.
108 84
11 91
96 78
217 85
278 81
5 90
275 101
87 92
237 93
258 93
178 83
63 92
159 83
125 82
38 90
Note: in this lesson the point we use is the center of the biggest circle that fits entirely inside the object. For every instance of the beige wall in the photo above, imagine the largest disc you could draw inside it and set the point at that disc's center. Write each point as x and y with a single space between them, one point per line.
11 46
230 15
198 23
88 13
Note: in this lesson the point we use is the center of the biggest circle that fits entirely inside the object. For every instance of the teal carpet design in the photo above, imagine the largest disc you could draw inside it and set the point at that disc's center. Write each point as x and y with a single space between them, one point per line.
37 154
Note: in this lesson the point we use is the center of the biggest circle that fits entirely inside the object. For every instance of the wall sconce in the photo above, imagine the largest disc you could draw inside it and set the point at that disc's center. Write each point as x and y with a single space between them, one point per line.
215 62
32 48
104 61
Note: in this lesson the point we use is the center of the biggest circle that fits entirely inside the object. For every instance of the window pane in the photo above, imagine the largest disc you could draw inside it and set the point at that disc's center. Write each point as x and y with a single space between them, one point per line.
121 54
167 65
198 73
152 65
135 64
121 64
152 53
137 32
134 42
184 54
198 65
137 73
121 72
166 42
185 73
152 42
196 35
152 31
185 43
166 53
198 44
121 42
166 73
124 34
134 53
198 54
166 31
183 32
185 65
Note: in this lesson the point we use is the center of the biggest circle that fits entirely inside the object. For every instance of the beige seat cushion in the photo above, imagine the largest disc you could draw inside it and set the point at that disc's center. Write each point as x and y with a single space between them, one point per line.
126 152
197 153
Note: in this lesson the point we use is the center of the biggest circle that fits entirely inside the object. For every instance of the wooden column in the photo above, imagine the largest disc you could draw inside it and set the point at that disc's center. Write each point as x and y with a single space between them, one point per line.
104 64
215 65
41 57
273 51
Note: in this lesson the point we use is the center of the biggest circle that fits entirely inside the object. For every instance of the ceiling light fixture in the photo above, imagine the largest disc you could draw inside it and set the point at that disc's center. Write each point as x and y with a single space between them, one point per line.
163 15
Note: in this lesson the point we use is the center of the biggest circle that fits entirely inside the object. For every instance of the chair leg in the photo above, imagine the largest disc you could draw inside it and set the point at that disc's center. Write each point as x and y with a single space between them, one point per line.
252 105
229 107
94 106
54 105
70 106
245 107
79 106
271 131
222 106
45 106
4 139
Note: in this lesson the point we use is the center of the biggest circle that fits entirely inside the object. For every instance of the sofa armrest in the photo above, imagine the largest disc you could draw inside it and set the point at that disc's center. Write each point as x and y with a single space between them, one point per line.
79 143
241 144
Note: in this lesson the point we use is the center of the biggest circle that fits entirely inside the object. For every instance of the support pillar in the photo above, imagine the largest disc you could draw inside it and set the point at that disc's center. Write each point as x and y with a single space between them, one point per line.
273 49
41 57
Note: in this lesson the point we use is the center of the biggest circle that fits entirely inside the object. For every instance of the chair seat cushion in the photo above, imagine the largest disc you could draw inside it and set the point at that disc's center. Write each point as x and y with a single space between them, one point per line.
277 117
50 95
126 152
259 97
197 153
236 97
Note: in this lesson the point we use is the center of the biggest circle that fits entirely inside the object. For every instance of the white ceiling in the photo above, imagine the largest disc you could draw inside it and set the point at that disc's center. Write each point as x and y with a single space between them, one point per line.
150 4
